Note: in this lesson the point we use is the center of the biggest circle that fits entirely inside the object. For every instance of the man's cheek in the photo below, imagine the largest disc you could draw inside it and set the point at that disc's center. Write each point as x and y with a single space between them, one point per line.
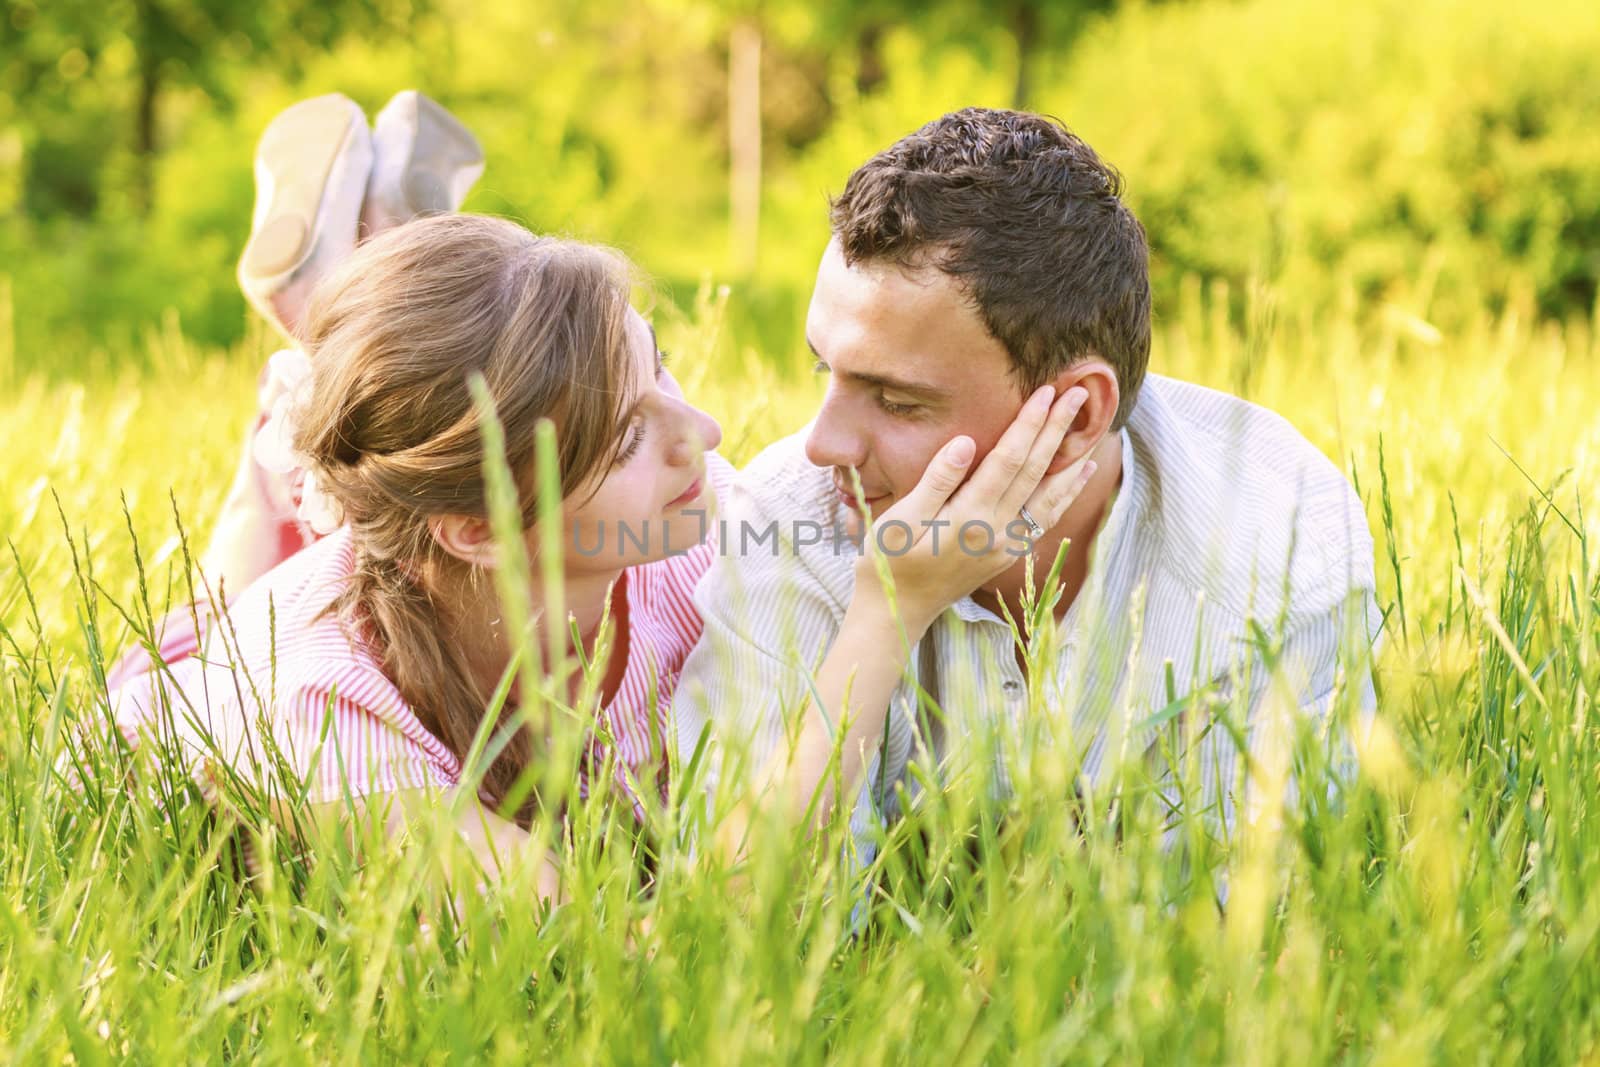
910 474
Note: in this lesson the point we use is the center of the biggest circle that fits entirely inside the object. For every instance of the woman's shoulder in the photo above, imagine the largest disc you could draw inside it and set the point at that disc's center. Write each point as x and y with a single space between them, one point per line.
293 596
286 678
311 687
288 625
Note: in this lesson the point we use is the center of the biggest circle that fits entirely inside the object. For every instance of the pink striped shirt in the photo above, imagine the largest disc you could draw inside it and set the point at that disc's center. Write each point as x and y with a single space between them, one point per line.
283 673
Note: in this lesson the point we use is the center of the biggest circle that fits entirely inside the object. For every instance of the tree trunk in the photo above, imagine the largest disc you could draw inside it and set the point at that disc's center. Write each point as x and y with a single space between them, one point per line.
1025 30
8 334
869 58
145 108
744 143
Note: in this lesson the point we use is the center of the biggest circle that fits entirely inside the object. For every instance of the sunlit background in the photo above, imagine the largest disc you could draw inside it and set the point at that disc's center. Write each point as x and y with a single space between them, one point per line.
1426 158
1380 218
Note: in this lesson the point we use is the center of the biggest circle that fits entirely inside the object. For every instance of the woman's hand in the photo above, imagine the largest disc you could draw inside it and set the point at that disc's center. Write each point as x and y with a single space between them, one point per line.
948 535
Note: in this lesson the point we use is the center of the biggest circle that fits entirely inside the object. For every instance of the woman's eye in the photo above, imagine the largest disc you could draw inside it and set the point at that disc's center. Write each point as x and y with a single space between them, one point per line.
819 367
635 439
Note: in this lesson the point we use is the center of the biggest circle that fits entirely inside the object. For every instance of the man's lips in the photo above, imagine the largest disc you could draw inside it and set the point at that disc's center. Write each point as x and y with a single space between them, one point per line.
848 496
688 494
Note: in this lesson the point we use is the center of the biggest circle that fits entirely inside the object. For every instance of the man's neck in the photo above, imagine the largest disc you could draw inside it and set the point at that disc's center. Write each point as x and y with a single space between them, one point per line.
1080 524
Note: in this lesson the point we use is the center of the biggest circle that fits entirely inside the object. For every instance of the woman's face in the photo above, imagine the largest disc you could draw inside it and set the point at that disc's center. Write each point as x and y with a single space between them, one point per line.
655 500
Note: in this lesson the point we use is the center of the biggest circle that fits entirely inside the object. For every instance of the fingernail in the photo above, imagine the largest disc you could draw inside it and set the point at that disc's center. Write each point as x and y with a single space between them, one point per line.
1077 396
1044 397
960 451
1089 468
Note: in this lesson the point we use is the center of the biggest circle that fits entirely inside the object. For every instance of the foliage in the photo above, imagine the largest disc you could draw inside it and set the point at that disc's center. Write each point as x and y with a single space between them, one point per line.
76 68
1432 158
1434 155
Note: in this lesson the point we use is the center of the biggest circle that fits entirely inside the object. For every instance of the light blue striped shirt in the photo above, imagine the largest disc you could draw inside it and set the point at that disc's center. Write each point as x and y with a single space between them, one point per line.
1226 518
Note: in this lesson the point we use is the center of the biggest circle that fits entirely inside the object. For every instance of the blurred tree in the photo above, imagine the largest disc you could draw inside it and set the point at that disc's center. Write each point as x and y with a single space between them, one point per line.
1037 26
774 58
48 105
1033 27
744 141
860 26
137 51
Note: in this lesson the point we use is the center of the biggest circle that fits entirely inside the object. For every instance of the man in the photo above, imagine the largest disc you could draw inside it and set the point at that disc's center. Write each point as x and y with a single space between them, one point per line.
1215 556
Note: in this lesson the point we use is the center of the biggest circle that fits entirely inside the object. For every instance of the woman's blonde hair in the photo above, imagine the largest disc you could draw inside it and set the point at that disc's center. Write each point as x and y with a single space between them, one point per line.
394 336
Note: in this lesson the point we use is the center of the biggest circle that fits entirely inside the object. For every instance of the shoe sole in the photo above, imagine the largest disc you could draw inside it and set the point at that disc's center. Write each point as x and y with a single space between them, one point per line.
299 149
441 150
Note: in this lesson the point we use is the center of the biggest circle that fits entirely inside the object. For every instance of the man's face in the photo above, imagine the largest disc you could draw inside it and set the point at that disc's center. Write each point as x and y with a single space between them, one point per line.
911 365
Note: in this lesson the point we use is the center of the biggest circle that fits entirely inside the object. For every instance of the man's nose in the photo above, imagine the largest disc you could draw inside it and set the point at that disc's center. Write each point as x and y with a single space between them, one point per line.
834 440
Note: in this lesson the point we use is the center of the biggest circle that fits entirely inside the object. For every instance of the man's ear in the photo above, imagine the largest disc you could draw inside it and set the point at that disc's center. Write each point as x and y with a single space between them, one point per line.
466 537
1094 418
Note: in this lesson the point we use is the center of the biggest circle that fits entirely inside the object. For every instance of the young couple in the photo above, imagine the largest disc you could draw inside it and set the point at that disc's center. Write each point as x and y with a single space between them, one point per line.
983 311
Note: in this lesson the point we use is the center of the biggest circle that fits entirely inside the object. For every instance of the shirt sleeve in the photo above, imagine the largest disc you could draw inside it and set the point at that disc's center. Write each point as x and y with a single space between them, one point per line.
769 620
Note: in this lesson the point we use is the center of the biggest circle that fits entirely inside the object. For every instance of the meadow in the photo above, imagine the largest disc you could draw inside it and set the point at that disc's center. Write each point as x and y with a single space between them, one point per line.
1434 905
1440 910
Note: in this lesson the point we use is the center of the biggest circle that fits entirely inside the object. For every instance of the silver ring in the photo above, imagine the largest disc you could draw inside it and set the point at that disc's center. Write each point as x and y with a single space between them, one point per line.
1034 529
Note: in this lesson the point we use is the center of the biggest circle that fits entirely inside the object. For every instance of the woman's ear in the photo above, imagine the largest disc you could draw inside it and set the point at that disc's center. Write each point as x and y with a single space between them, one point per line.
465 537
1094 418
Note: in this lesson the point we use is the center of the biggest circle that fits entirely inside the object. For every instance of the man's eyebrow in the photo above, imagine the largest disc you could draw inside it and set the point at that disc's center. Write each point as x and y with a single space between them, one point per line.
884 381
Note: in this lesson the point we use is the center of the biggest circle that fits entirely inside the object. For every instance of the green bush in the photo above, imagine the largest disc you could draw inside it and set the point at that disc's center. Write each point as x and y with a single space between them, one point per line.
1437 154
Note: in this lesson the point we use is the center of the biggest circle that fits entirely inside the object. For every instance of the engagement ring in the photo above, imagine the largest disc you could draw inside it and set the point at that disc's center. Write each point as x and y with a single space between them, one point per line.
1035 531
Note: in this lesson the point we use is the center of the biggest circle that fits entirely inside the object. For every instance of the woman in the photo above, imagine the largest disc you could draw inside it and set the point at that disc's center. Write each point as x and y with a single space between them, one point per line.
361 666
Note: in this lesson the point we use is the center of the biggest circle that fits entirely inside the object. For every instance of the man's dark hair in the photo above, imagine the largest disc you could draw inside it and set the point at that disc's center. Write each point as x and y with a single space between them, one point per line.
1026 216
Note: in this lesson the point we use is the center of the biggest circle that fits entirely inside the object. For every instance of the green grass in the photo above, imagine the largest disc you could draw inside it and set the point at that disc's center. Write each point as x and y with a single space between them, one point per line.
1439 908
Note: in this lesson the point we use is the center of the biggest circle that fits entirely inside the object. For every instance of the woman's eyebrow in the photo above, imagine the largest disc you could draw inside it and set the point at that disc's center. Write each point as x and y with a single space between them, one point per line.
633 409
655 347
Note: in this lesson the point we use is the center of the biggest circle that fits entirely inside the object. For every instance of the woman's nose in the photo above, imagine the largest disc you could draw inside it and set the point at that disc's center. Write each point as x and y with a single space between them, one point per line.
698 434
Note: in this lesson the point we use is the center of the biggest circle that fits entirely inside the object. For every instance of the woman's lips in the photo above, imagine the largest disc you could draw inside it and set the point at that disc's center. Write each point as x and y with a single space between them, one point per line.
688 494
